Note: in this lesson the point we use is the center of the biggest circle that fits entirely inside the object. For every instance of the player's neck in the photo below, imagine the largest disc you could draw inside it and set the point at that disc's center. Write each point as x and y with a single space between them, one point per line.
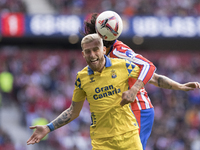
107 50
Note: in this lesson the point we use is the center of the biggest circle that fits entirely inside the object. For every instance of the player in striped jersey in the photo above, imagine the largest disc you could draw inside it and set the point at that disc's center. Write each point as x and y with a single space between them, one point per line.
142 106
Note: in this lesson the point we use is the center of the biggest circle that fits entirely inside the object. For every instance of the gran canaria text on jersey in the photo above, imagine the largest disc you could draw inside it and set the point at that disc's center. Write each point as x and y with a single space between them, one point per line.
105 92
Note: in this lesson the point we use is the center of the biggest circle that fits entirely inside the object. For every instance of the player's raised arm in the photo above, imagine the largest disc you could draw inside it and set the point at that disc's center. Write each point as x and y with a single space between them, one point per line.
167 83
147 67
64 118
156 79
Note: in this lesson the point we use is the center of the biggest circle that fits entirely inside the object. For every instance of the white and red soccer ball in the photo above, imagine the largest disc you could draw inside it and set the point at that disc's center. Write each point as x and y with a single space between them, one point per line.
109 25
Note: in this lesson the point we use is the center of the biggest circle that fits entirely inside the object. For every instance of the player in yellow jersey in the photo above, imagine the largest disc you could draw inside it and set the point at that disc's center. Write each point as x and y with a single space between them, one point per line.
104 82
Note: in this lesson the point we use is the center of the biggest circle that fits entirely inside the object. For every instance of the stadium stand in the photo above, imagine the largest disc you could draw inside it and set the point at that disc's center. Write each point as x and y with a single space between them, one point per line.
129 7
11 6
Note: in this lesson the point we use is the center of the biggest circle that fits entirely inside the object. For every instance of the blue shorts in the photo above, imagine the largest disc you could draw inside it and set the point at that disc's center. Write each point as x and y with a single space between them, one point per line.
145 120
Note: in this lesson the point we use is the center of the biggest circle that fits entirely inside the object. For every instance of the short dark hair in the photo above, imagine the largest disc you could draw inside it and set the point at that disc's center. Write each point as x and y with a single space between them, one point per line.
89 28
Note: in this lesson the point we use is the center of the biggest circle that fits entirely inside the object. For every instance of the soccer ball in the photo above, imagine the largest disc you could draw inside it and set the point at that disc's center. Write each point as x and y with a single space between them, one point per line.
109 25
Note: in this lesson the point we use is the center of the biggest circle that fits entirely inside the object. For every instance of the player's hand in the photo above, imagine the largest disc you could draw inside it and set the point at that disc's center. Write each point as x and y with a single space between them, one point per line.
128 97
38 134
190 86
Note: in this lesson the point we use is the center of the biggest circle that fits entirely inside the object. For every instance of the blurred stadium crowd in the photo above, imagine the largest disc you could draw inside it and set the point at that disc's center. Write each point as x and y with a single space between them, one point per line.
125 7
43 80
44 83
10 6
129 7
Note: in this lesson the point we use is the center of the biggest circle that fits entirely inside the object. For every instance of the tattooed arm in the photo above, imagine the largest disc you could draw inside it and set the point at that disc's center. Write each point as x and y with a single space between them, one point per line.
167 83
64 118
68 115
130 95
159 81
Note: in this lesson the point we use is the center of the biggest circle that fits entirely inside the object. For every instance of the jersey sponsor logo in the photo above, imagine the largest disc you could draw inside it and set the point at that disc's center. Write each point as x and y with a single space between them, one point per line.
129 53
105 92
92 79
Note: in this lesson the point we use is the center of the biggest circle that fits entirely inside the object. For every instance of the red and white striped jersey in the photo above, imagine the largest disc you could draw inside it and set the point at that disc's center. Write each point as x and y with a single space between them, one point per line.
147 69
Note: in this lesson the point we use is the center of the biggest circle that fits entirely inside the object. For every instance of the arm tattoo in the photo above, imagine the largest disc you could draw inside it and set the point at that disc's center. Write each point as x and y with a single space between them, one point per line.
130 96
64 118
139 84
164 83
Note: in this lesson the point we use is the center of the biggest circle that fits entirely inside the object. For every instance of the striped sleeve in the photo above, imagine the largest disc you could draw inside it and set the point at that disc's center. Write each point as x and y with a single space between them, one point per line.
147 68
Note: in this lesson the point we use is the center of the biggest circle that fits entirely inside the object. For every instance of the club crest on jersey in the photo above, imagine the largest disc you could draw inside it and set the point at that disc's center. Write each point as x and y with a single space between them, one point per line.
113 73
129 53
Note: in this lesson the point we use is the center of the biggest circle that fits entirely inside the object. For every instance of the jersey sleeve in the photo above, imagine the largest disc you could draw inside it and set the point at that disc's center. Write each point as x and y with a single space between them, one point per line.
133 70
79 94
147 68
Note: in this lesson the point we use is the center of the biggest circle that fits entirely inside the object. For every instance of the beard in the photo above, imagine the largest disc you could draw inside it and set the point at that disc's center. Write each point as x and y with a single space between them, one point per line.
98 65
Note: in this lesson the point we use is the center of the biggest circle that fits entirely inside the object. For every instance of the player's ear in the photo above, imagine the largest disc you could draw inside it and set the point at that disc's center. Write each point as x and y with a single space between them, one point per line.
104 50
83 54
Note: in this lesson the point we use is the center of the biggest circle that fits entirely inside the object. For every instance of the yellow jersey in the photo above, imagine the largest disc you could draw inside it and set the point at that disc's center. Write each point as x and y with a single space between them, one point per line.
104 91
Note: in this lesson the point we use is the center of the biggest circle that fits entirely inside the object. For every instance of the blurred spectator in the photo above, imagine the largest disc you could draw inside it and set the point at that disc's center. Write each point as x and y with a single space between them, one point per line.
5 141
6 85
12 6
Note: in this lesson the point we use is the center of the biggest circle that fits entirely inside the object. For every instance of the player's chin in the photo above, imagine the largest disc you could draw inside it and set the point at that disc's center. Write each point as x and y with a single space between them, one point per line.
94 67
